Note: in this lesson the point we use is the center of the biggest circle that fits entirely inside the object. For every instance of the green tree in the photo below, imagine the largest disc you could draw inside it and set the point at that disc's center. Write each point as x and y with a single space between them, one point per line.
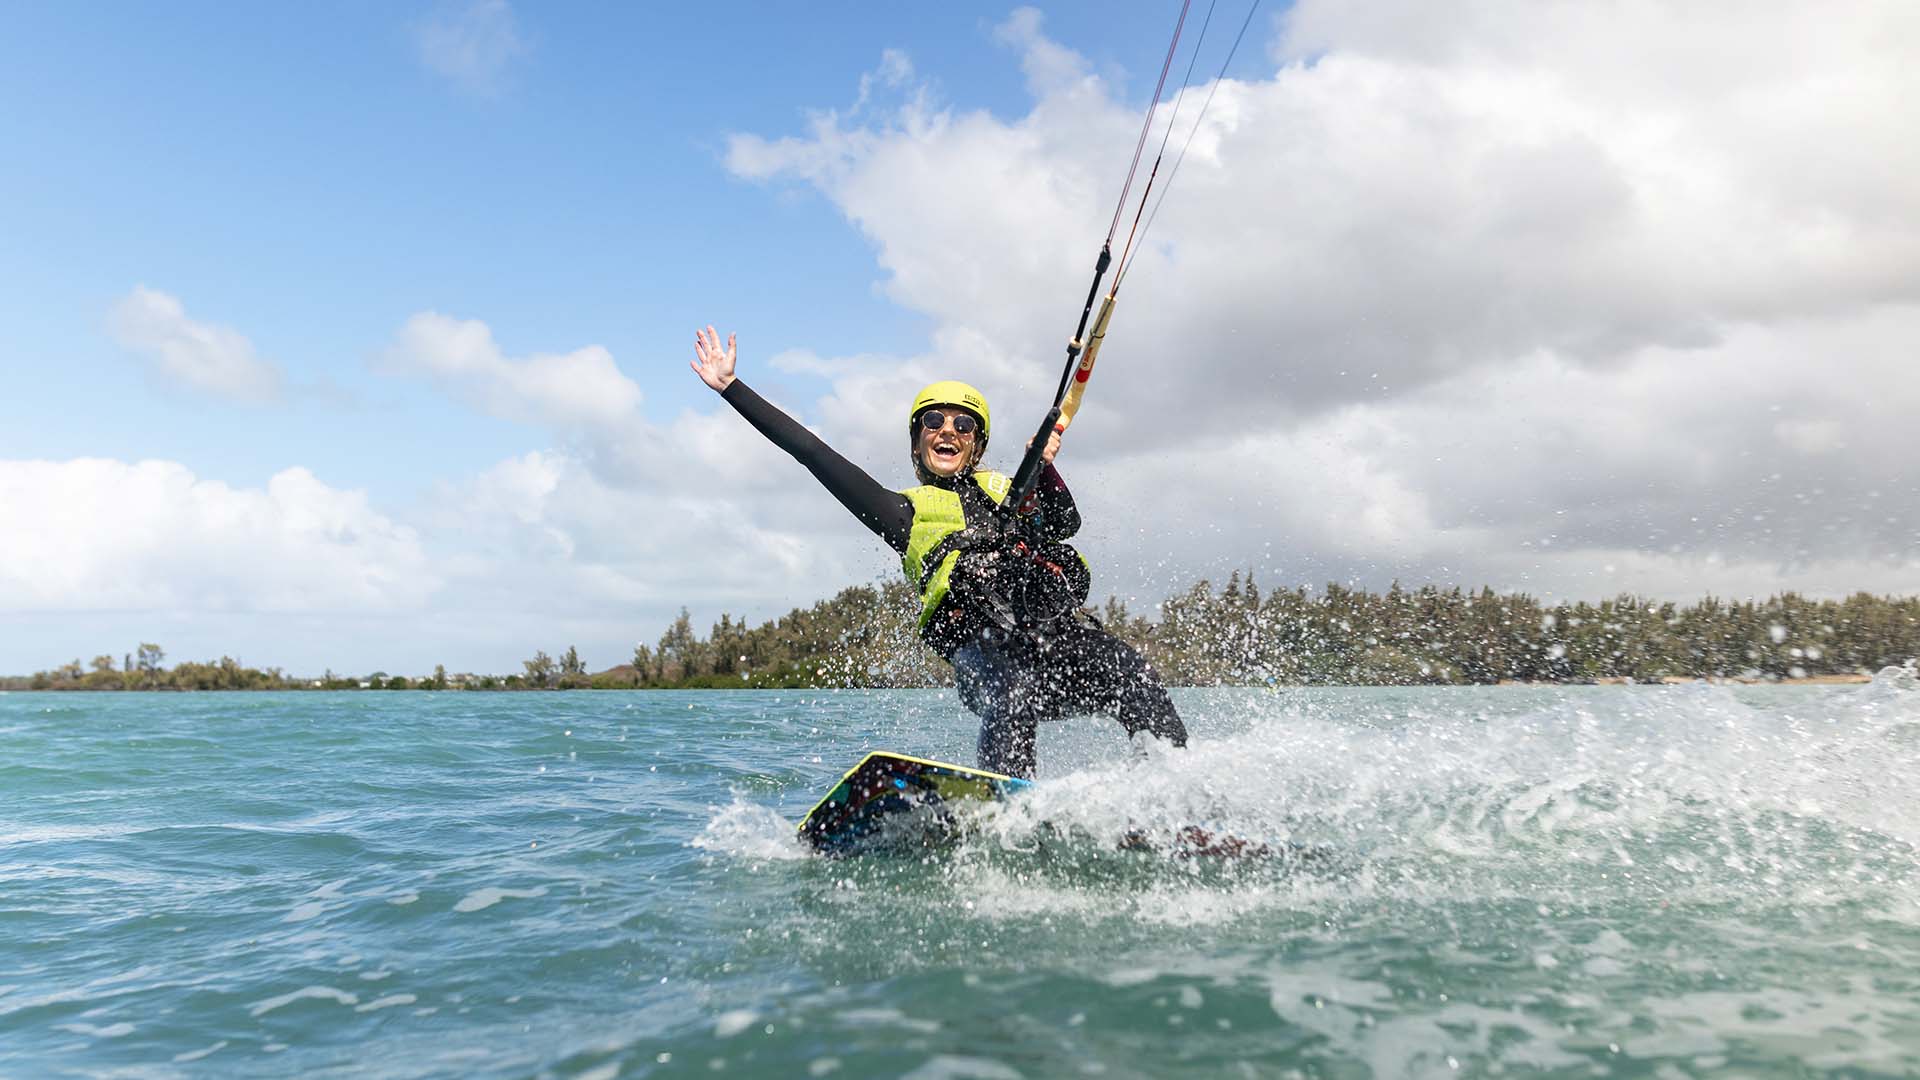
150 657
679 649
573 672
540 669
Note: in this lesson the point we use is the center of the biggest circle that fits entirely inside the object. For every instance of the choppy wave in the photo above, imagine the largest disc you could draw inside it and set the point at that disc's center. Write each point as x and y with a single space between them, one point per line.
1698 878
1683 880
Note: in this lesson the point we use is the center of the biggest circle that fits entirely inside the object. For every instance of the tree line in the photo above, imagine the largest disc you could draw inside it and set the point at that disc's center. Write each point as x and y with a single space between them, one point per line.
143 670
865 637
1236 636
1440 636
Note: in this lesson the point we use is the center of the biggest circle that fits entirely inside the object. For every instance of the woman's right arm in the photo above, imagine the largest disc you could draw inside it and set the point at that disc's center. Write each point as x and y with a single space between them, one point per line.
887 513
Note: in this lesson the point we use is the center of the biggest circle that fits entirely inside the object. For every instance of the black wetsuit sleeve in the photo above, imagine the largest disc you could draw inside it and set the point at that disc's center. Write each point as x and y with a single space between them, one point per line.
886 512
1059 517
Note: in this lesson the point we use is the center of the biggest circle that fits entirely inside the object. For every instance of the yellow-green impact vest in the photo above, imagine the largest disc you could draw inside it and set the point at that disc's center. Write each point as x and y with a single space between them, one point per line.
937 514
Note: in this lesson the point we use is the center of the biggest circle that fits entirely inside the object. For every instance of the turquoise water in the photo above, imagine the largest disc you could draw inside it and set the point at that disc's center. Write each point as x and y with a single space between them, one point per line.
1661 882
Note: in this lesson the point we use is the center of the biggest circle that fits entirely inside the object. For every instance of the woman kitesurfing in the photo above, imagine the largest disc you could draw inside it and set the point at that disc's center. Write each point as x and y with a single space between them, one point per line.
1000 592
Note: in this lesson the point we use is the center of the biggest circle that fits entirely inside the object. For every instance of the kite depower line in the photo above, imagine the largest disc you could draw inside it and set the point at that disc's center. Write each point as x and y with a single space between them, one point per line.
1084 347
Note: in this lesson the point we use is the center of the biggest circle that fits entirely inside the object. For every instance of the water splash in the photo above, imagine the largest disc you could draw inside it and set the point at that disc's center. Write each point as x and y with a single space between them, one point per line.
1628 796
748 830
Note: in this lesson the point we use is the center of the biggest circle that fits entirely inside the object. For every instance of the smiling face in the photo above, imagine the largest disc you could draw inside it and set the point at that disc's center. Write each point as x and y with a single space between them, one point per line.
946 452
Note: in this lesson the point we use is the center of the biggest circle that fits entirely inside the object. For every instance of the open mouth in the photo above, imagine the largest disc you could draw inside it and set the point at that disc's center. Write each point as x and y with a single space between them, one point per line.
945 450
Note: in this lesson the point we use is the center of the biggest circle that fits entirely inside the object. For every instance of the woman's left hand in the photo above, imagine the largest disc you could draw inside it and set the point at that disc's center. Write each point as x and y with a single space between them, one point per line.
1053 446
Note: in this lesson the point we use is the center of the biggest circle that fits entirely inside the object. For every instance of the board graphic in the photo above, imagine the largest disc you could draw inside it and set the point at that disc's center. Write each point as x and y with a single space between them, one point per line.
893 800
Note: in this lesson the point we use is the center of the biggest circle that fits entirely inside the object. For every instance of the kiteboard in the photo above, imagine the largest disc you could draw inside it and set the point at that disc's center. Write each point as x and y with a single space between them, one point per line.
896 802
893 800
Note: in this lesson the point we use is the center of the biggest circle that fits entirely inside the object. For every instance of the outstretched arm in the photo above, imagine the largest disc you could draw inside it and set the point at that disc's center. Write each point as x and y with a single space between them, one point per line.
887 513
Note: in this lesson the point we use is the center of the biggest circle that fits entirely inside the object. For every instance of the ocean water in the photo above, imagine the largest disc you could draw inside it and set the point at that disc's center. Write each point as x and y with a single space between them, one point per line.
1604 881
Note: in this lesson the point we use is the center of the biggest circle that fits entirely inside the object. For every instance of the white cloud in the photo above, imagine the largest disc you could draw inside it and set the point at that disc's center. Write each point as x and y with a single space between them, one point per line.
548 538
151 536
202 356
895 69
1052 69
582 389
472 45
1812 436
1667 475
538 551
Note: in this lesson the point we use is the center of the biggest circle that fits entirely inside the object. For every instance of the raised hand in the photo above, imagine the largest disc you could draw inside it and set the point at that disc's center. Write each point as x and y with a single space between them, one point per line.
712 363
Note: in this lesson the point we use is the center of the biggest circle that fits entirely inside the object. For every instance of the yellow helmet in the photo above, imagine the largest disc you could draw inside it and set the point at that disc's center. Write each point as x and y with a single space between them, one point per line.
950 392
946 392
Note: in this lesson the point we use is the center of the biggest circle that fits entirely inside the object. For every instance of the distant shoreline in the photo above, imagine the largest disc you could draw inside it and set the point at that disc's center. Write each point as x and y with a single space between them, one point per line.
868 636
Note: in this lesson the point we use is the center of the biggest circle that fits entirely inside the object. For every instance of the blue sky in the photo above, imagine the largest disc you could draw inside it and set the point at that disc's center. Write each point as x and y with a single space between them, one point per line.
303 176
397 301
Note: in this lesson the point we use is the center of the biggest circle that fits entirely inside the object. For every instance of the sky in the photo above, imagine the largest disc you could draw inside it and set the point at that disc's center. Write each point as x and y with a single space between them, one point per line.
356 337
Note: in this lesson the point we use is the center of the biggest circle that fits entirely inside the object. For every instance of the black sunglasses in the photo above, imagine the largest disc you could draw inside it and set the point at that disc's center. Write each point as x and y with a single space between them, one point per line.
963 423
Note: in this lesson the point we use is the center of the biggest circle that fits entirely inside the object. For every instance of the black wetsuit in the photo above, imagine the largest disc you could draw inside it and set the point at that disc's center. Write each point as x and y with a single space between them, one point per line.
1064 667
